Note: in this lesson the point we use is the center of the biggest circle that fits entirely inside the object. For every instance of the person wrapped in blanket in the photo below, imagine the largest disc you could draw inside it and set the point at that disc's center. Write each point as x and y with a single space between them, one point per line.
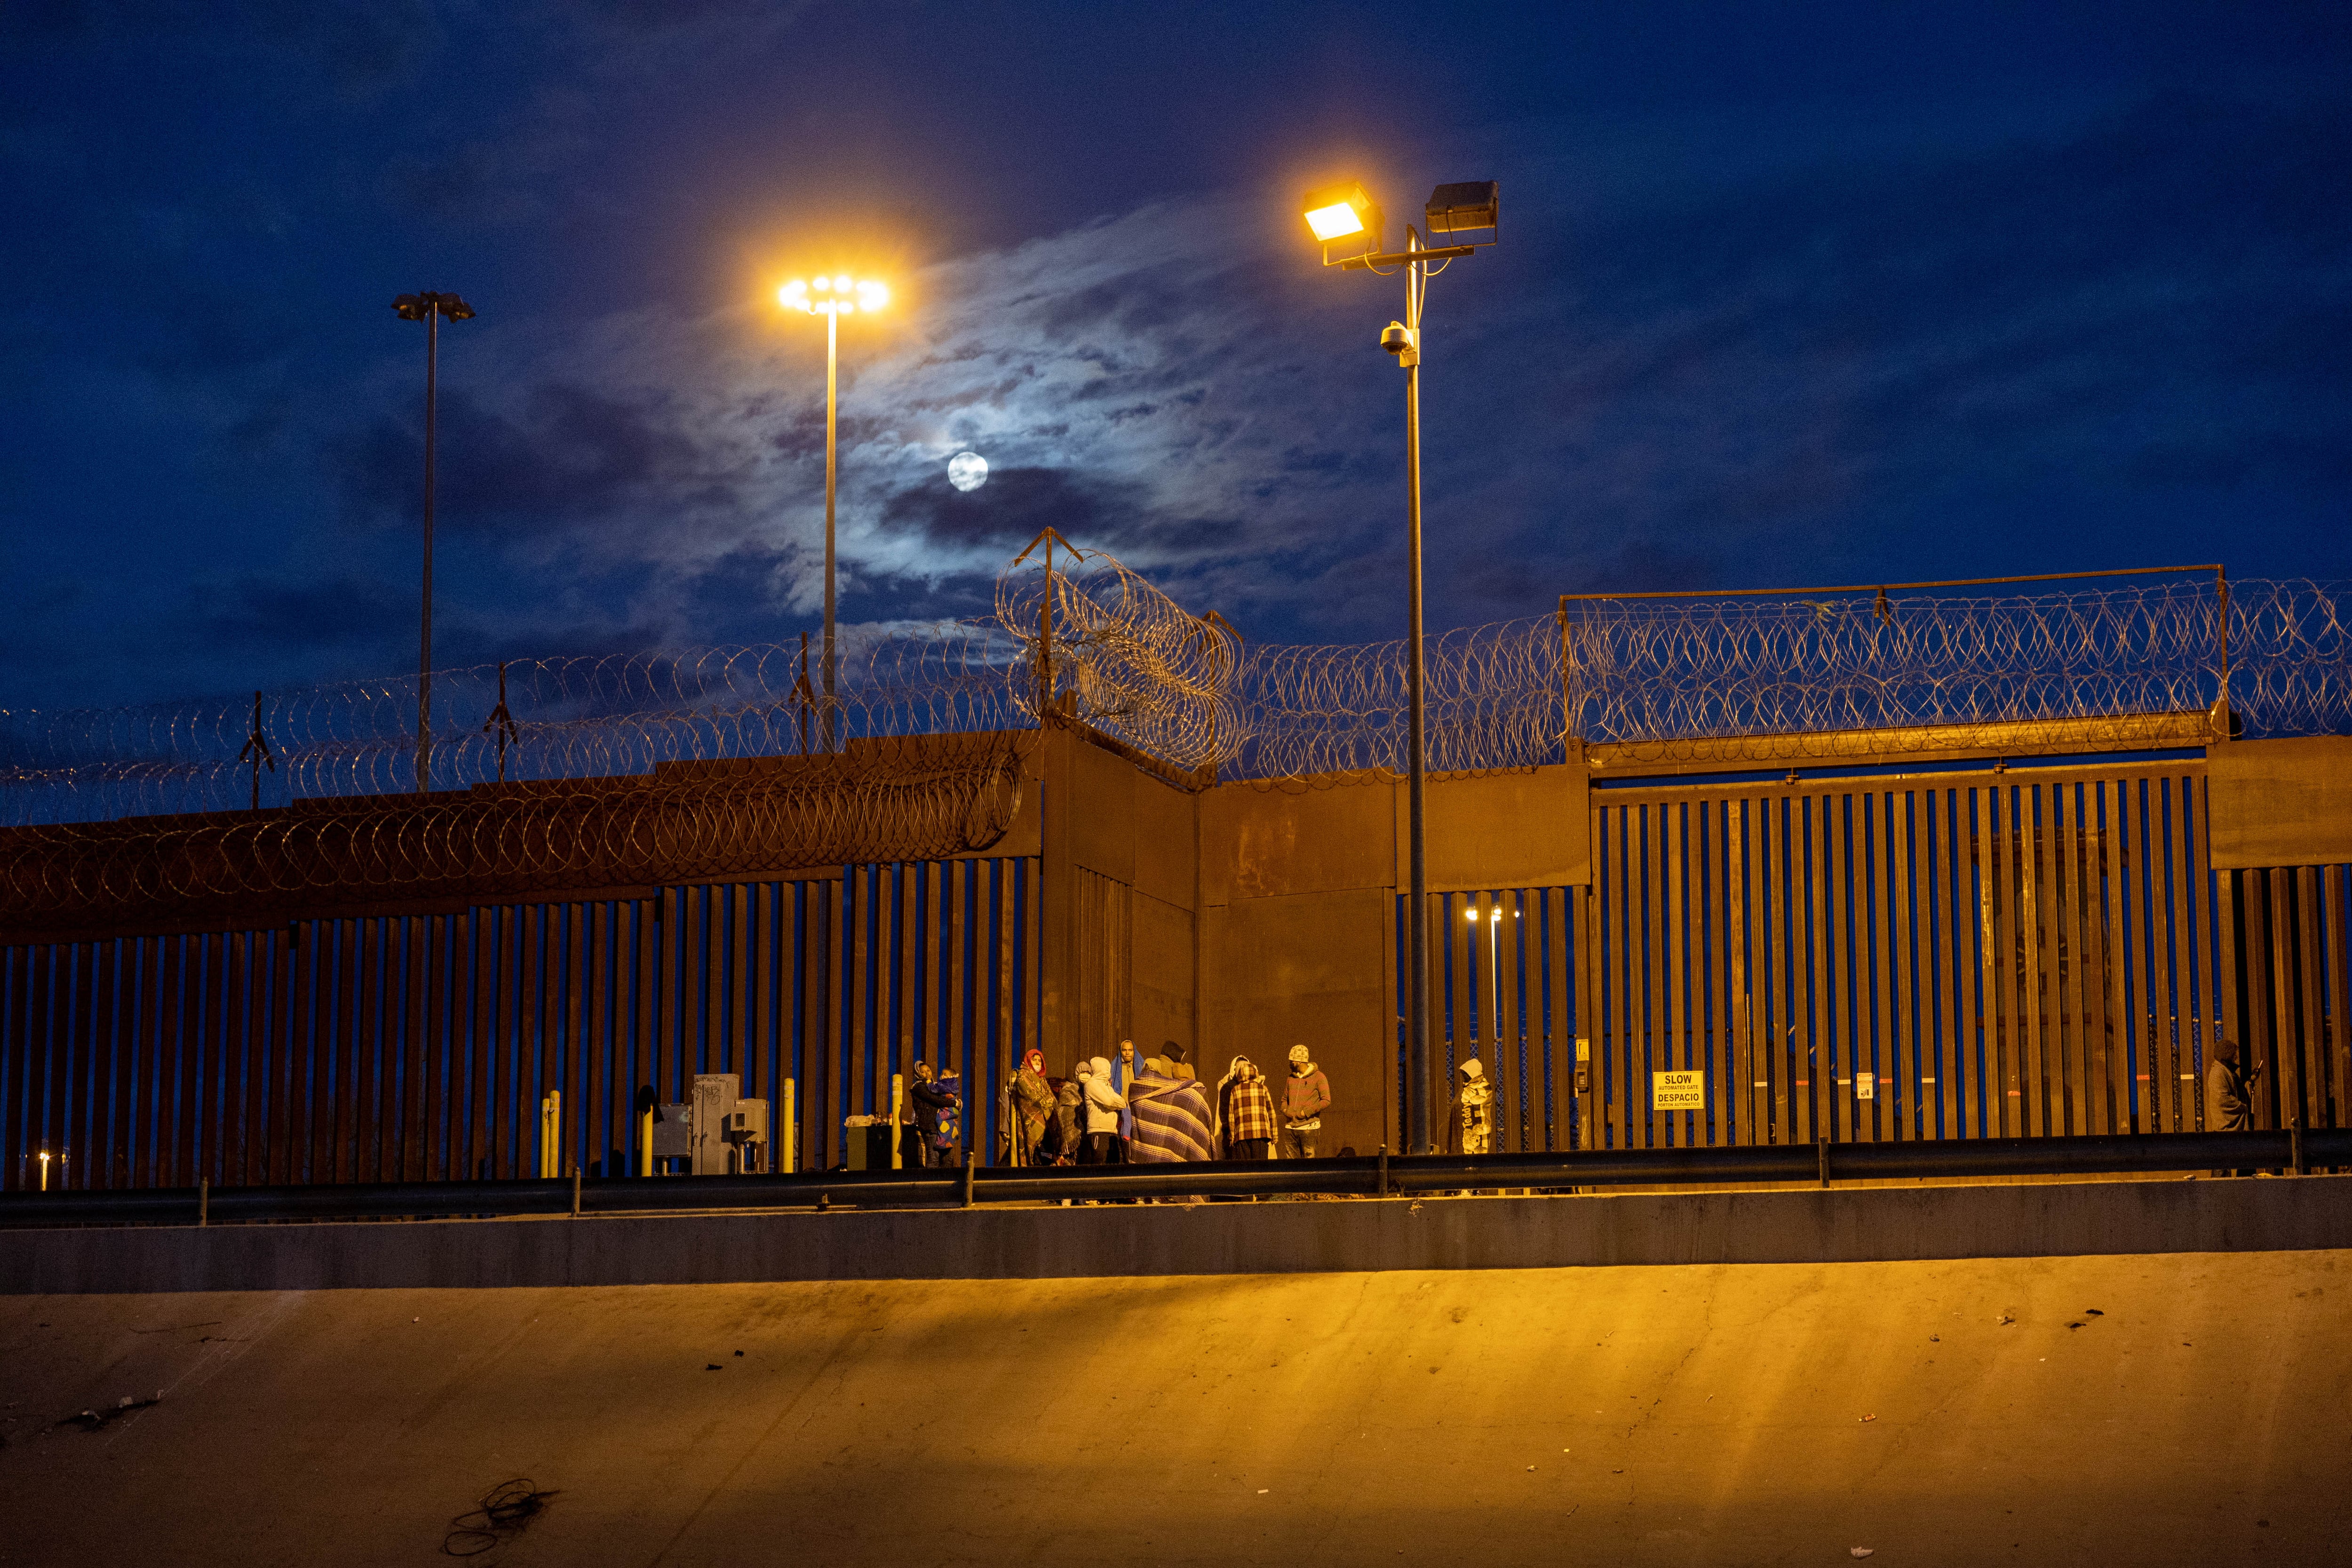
1244 1112
1105 1107
1028 1112
1473 1110
1172 1119
1070 1115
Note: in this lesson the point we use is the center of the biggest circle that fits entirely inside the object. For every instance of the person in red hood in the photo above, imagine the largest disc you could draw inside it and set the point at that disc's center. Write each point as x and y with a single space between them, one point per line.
1305 1095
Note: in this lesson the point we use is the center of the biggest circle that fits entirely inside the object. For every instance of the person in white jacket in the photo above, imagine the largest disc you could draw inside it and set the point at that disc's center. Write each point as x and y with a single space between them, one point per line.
1104 1145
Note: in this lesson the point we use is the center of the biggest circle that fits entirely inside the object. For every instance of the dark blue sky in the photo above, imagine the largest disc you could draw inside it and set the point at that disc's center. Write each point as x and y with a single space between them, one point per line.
1787 294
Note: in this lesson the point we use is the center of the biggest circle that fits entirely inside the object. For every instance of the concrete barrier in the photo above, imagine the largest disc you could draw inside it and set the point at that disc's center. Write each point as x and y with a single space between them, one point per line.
1870 1225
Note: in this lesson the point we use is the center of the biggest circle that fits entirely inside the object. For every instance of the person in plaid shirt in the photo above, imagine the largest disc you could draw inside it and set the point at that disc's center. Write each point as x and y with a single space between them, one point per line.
1244 1111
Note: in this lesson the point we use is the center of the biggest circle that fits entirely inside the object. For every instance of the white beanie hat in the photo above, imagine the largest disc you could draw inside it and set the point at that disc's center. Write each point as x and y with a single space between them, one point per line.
1471 1068
1298 1053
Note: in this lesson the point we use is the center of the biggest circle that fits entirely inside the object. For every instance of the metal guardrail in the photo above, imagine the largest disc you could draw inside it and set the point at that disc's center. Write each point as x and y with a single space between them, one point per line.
1377 1175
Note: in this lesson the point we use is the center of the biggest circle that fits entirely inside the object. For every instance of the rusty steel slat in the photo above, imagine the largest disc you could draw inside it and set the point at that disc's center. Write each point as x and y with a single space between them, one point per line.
1946 905
2129 863
2286 1023
706 956
367 1044
2034 999
1771 960
164 1163
571 1053
1977 1074
738 984
1033 960
2061 838
1582 908
859 999
1669 1006
444 1023
1001 872
2339 1011
800 1006
1610 1045
2111 1014
2086 980
2312 1051
2255 909
16 1061
44 1031
247 1008
1552 1044
1909 1112
2228 1022
607 1103
80 1052
761 1073
2178 1001
278 1048
299 946
471 1137
332 1157
1810 958
949 920
1739 1026
94 1164
839 1082
1648 989
403 1142
1508 1107
2002 963
2002 1100
1631 1099
135 1074
671 916
933 913
907 1036
1840 1020
824 1016
1874 1012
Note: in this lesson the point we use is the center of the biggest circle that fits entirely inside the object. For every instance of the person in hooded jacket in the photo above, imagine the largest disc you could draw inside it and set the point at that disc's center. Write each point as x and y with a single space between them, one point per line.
1244 1111
1305 1095
1473 1110
1105 1107
1028 1112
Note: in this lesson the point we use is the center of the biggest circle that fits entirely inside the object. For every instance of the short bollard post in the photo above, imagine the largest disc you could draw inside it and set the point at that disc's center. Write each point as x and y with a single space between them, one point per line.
968 1168
1384 1170
1822 1147
575 1192
203 1202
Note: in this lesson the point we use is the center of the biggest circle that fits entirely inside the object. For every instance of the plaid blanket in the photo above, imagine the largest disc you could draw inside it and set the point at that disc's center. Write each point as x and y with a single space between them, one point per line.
1249 1106
1171 1120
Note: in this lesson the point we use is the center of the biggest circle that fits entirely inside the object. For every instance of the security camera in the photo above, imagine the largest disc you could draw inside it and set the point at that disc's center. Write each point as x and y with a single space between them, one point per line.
1398 339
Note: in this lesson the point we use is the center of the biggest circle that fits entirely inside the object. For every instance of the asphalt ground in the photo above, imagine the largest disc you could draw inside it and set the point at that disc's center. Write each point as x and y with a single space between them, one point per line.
2189 1408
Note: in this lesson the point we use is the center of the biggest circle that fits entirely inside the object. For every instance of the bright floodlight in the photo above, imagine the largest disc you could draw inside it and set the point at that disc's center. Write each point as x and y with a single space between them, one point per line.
1335 222
1336 213
832 296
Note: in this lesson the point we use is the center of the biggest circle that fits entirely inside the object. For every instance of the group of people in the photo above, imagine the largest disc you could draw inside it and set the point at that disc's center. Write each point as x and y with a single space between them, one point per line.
1126 1109
1131 1109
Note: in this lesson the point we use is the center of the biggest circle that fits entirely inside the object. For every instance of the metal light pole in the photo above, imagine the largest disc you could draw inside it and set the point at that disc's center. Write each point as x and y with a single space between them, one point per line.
428 308
832 298
1345 215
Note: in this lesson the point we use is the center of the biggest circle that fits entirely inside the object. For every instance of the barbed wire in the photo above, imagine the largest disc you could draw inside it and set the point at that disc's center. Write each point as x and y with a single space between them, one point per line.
1130 661
1122 655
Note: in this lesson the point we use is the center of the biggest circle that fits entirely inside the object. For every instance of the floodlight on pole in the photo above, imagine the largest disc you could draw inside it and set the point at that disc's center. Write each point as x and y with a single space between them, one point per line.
1347 224
429 307
833 297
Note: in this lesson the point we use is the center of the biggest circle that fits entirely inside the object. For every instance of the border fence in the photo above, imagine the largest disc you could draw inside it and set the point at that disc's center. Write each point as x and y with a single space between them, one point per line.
2034 948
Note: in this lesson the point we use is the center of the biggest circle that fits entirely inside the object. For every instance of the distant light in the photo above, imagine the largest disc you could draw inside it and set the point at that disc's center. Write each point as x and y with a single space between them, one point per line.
1335 222
871 295
841 284
967 470
825 285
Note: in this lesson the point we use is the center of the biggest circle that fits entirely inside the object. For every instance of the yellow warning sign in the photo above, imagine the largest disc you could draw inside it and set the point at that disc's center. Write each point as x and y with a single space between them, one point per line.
1678 1091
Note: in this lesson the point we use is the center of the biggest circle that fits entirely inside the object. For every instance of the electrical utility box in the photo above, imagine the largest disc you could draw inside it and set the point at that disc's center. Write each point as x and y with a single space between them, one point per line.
715 1132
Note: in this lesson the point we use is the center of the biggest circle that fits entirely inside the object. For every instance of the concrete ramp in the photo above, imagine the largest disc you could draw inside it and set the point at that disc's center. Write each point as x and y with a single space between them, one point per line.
2179 1409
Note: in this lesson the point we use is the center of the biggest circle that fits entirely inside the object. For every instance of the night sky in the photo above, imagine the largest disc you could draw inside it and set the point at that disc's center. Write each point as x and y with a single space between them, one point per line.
1787 295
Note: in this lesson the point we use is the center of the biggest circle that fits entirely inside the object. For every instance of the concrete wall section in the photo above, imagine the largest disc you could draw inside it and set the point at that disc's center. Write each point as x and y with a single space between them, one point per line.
1880 1225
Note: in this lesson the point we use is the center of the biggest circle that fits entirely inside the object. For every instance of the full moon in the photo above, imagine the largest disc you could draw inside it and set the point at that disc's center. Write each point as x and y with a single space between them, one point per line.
967 470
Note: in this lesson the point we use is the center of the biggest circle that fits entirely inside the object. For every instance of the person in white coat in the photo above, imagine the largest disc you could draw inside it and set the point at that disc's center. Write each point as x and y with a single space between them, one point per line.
1104 1104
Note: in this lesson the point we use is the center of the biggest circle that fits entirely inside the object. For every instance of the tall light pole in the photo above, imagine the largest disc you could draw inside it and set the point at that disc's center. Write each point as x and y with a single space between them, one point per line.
428 308
832 298
1343 218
